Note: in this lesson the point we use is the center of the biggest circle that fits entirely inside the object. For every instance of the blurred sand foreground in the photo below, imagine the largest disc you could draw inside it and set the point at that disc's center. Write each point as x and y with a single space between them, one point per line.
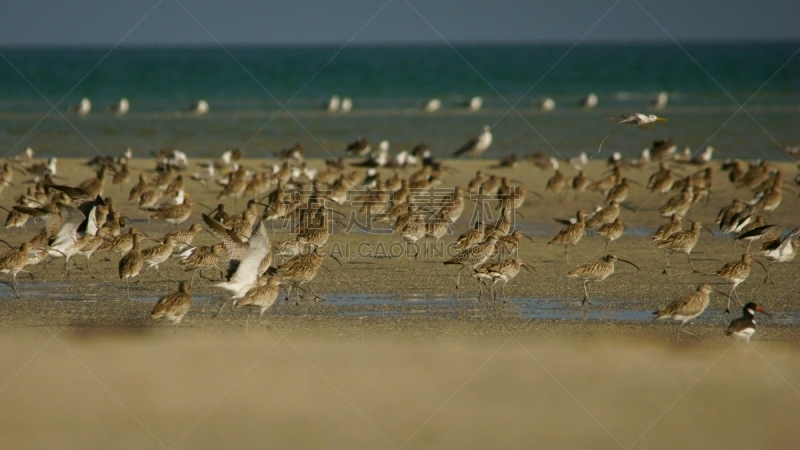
284 388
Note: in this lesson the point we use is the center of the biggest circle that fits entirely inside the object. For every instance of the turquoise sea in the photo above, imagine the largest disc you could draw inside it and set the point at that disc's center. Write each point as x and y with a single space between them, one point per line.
263 99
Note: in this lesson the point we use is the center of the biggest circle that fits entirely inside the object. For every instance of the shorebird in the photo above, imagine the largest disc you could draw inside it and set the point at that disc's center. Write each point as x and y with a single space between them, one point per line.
199 258
556 184
477 145
639 120
745 326
14 262
131 264
432 105
302 269
199 107
745 235
596 271
503 271
666 230
122 243
780 251
687 308
611 231
682 241
175 214
157 254
474 103
119 108
579 183
588 102
183 238
473 256
174 305
545 104
571 234
470 237
735 273
679 204
606 215
508 245
245 271
660 101
359 147
662 180
81 108
262 295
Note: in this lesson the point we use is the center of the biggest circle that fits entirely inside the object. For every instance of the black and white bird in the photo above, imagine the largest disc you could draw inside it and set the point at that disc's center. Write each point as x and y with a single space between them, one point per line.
477 145
639 120
744 327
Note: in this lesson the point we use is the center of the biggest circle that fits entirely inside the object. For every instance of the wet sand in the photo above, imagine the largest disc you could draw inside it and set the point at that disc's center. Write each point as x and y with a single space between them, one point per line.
394 342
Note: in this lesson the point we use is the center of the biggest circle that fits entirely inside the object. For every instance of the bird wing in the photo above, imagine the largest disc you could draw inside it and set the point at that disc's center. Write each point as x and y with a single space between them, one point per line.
466 147
235 247
67 235
258 247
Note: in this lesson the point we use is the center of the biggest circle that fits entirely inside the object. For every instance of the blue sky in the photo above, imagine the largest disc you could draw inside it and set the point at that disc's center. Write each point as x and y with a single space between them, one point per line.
197 22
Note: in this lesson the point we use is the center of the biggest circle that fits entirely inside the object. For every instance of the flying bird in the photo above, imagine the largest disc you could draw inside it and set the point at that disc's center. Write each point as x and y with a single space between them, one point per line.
645 121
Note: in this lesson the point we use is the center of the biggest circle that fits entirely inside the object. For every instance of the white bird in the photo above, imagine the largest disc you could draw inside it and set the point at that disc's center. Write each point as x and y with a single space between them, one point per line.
347 105
546 104
205 174
475 103
432 105
703 158
639 120
119 108
25 156
247 271
64 243
81 108
589 102
579 161
333 104
660 102
176 159
199 107
378 158
477 145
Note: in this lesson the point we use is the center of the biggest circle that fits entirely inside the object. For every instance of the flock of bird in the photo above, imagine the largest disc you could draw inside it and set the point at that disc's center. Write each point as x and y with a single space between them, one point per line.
80 220
343 105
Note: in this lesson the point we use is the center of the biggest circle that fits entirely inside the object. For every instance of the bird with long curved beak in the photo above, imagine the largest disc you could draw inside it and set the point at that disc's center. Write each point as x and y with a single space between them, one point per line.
596 271
687 308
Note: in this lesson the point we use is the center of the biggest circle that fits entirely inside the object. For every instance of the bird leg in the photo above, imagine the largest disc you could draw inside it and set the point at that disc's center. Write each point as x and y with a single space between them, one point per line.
769 267
668 254
458 276
565 253
503 290
317 297
127 288
14 284
689 260
221 308
585 293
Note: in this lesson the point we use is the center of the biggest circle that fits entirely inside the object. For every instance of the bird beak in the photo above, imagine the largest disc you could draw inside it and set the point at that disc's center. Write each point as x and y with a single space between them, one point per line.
758 309
708 229
660 119
760 264
526 266
628 262
337 259
519 214
721 293
528 237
